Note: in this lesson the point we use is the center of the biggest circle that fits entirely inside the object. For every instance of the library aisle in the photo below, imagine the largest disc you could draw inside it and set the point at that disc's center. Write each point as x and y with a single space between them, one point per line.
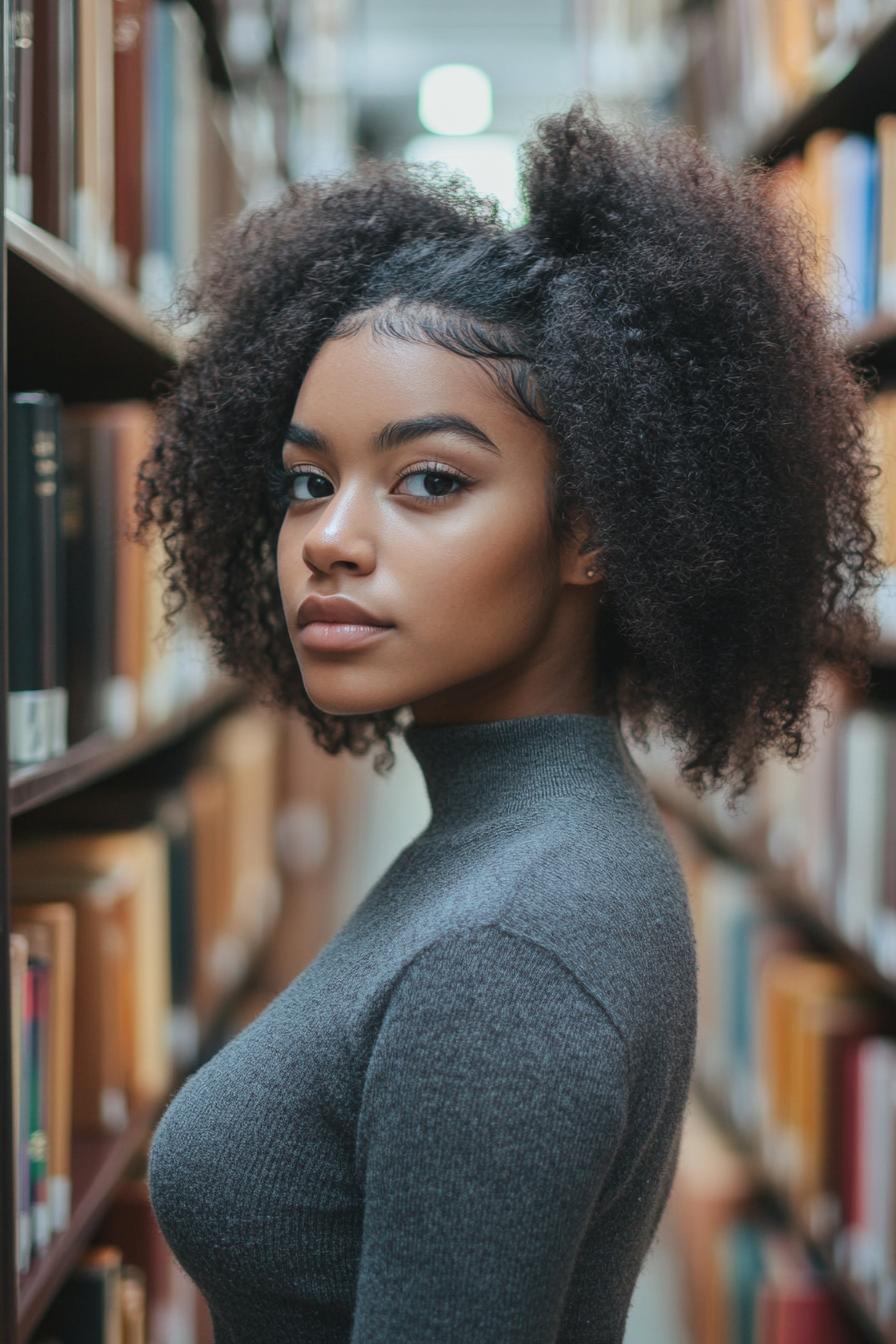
175 854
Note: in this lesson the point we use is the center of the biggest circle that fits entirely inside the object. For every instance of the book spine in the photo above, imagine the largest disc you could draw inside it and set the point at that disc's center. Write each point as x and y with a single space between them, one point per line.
25 1124
47 142
38 701
23 73
69 119
38 970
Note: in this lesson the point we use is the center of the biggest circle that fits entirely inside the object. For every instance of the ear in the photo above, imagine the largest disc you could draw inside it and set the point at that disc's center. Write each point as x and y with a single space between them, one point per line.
579 561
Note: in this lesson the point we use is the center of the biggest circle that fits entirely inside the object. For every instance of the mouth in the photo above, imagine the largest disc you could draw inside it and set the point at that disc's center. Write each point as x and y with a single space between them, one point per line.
324 635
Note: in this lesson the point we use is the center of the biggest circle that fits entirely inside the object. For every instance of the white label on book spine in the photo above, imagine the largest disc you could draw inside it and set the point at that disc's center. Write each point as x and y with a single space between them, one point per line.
60 1189
24 1240
30 727
119 706
113 1109
59 719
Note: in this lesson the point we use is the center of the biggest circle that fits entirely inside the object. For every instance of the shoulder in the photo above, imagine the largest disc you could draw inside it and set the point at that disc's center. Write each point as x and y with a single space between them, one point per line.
603 890
486 1022
487 986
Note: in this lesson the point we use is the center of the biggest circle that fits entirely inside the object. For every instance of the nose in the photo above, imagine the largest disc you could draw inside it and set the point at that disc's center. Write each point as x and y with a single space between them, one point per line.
341 534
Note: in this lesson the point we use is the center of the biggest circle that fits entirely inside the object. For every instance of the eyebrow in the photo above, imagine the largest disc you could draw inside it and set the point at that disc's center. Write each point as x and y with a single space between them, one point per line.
398 432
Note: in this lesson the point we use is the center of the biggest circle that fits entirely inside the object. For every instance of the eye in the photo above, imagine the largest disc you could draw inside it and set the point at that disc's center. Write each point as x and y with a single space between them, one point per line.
282 484
299 484
315 485
440 480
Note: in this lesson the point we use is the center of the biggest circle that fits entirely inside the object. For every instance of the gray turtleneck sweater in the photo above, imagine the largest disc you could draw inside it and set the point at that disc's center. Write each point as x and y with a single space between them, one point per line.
459 1124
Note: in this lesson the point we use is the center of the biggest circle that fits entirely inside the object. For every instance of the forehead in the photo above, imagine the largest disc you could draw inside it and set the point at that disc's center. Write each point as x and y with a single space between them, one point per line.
371 379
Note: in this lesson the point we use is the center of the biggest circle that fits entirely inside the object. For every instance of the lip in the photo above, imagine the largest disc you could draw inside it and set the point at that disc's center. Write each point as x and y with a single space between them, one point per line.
339 634
337 608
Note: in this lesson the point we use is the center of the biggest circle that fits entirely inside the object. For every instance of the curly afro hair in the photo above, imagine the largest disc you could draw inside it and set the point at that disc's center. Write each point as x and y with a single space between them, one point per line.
660 312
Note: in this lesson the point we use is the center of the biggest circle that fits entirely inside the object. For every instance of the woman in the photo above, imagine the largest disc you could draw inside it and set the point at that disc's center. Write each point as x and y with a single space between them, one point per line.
496 488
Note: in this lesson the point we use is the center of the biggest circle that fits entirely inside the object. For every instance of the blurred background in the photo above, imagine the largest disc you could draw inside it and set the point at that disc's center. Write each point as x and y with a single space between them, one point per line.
132 129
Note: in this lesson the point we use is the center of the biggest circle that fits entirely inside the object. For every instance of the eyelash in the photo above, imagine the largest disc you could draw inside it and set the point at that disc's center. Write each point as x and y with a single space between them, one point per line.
280 480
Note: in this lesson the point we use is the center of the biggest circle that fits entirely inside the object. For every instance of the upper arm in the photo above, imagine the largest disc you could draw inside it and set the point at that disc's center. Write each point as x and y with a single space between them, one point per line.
493 1104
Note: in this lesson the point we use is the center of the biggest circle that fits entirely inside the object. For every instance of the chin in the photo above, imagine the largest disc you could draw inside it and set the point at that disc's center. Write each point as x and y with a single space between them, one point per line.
347 706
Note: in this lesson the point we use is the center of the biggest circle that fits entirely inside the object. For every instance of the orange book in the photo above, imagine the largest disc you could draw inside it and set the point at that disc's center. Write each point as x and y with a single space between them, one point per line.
820 196
882 439
244 747
103 1027
206 792
822 1023
138 858
784 982
885 133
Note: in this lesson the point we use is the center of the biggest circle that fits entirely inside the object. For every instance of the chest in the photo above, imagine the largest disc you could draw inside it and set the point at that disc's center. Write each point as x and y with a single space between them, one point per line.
251 1168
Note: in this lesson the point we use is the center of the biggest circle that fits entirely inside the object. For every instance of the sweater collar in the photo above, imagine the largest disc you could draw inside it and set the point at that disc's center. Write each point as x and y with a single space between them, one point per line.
475 770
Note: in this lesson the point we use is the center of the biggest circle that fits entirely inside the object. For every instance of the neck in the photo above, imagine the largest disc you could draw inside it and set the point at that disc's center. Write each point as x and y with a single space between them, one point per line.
478 770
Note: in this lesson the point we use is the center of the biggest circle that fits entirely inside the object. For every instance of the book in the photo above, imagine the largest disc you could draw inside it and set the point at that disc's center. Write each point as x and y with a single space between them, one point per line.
88 1307
18 954
38 701
91 554
37 1009
136 862
54 922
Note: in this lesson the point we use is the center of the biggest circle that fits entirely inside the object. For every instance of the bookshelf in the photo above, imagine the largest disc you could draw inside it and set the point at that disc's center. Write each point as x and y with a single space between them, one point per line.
849 85
862 87
781 888
101 754
860 1312
98 1163
70 331
120 349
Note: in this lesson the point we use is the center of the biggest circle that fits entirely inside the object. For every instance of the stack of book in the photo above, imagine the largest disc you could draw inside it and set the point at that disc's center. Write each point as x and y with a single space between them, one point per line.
86 608
136 909
750 1279
117 143
847 184
800 1057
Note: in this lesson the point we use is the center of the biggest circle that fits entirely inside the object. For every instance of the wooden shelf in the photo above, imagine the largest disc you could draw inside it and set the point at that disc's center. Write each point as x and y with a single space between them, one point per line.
779 887
99 1162
850 1295
101 754
69 331
865 89
874 345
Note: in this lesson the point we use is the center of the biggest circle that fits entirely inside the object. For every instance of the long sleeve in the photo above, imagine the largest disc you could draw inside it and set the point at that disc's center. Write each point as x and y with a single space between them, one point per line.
494 1102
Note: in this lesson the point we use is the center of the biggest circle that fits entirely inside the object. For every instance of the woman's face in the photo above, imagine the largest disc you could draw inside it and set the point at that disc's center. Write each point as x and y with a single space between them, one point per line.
420 493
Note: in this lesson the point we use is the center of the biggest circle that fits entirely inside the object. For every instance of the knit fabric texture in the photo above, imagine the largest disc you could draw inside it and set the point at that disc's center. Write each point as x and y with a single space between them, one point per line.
459 1124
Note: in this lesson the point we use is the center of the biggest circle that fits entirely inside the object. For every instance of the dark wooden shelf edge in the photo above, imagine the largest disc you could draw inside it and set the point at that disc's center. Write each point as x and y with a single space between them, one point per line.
872 1330
789 131
101 754
60 263
110 1158
876 334
779 887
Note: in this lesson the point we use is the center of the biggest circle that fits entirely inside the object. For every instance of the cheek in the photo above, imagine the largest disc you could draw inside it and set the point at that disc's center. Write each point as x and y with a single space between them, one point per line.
291 569
488 587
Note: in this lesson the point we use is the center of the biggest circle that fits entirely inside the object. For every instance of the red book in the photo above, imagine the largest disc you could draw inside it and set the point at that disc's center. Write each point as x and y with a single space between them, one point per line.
129 79
809 1314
